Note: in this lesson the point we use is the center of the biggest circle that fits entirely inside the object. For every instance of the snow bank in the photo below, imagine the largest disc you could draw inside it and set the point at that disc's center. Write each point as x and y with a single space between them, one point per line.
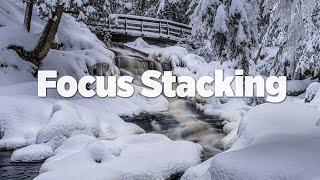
231 112
32 153
199 172
312 92
284 137
128 157
20 119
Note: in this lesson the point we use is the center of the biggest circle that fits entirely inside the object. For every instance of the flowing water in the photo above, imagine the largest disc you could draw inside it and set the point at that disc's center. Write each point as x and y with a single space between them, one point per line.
182 122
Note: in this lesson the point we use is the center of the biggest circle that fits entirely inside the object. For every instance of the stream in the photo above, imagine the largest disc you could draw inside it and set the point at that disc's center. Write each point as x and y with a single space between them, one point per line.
183 122
17 171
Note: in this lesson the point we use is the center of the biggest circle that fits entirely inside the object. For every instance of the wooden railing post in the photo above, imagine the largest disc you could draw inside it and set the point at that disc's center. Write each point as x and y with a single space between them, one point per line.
160 30
141 27
125 24
168 30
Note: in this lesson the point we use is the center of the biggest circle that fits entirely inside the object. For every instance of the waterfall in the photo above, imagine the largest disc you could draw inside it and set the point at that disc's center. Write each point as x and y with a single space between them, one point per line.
137 65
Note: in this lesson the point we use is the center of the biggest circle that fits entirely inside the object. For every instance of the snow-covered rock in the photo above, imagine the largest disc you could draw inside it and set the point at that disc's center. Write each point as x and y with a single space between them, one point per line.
32 153
312 91
146 156
20 120
296 87
276 142
199 172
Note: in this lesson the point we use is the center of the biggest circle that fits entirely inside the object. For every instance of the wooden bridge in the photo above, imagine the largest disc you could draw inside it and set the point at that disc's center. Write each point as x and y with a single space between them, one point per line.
124 26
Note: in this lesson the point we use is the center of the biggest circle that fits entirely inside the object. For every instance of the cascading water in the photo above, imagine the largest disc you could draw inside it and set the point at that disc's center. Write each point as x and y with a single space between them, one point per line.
179 122
136 65
193 127
133 62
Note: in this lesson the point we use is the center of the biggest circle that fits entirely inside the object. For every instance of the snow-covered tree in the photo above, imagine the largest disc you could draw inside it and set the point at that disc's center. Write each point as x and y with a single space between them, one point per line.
175 10
226 30
52 11
293 32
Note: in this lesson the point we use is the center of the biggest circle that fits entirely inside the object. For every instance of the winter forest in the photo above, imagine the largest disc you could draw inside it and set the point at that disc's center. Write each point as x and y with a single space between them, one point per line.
196 138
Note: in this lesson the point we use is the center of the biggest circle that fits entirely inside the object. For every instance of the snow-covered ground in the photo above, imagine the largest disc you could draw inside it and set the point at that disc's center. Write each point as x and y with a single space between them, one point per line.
86 138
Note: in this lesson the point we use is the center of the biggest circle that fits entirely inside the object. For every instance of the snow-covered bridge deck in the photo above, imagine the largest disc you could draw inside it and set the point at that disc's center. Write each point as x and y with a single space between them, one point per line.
137 26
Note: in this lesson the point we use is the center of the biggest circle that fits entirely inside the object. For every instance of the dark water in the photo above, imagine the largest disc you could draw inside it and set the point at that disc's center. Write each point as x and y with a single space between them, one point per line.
16 171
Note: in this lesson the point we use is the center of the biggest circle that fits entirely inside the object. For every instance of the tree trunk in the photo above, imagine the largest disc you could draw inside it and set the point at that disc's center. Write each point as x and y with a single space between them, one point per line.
44 44
28 15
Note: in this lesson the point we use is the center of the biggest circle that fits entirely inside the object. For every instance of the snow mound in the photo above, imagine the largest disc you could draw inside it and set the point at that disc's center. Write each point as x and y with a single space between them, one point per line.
296 87
128 157
32 153
231 112
65 121
284 137
312 91
20 120
138 43
69 119
199 172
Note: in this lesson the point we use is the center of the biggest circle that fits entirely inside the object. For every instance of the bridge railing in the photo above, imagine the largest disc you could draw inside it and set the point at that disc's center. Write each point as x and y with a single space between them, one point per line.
144 26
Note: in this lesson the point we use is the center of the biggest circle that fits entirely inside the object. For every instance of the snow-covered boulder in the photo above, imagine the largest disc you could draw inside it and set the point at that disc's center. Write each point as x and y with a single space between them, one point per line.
146 156
32 153
199 172
312 91
276 142
65 121
20 120
296 87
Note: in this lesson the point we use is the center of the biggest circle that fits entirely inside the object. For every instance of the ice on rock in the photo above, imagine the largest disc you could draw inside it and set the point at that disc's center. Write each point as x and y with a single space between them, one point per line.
32 153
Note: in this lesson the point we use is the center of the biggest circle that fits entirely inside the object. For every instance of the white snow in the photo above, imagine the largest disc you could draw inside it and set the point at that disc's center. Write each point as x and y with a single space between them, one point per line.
312 91
21 118
220 20
129 157
296 87
284 137
32 153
